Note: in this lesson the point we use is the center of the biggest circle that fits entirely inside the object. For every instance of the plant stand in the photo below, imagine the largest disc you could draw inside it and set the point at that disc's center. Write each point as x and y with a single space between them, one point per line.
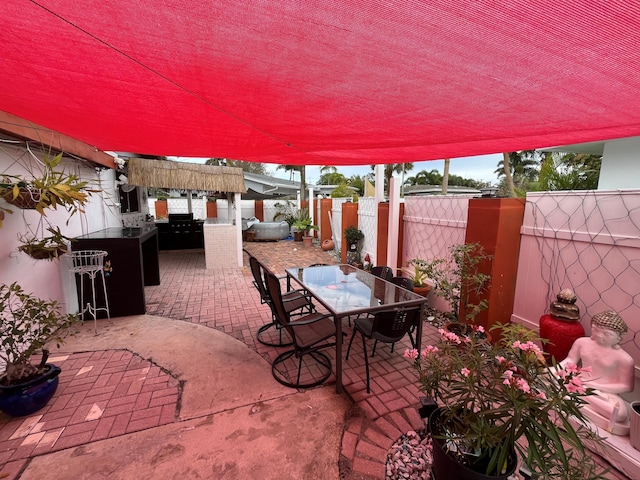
91 264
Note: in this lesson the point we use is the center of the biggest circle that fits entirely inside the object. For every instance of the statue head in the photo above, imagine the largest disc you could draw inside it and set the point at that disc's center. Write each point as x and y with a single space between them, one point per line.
566 295
610 320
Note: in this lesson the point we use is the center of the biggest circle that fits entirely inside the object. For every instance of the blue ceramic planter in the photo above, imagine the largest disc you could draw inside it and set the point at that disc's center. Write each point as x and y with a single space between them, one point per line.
29 397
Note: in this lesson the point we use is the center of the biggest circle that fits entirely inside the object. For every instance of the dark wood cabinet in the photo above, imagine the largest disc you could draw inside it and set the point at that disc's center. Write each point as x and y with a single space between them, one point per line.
133 253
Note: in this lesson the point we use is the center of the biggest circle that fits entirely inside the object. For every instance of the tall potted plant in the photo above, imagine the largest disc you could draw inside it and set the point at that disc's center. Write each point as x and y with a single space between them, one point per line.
27 323
353 237
492 395
461 281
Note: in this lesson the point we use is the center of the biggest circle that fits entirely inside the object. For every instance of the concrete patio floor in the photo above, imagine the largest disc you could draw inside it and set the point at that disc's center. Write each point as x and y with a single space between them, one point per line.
186 391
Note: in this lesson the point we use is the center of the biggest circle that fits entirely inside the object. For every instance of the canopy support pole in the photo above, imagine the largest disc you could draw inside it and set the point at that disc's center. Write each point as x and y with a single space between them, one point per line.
394 224
237 201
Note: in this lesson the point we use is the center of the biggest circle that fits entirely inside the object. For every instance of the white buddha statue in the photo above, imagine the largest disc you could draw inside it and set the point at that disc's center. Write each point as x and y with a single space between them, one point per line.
612 372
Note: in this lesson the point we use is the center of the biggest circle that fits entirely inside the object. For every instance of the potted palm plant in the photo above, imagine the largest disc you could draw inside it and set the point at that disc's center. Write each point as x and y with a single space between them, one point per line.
492 396
302 225
27 323
419 276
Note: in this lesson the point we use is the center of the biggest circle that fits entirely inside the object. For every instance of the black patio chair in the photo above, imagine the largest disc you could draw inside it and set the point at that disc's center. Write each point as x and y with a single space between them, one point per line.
403 282
385 273
388 326
296 303
310 334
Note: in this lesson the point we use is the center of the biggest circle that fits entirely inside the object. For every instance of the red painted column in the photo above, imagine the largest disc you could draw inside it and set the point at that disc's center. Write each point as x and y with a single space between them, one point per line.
495 224
259 210
162 209
212 210
349 218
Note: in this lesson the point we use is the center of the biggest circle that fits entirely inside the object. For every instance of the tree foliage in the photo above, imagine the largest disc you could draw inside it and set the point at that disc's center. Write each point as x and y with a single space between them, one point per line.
569 171
249 167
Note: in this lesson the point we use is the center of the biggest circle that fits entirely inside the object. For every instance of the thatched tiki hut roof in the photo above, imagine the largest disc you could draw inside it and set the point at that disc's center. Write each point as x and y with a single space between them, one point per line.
185 176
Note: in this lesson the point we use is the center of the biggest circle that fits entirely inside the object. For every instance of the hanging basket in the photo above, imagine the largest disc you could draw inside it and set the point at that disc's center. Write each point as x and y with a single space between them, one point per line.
43 253
27 198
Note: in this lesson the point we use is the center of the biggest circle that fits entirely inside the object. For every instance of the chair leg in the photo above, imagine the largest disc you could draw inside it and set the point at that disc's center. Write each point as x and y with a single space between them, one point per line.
366 361
353 335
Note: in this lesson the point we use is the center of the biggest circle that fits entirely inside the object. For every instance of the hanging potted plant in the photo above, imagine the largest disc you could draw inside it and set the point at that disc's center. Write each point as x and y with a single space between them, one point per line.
47 188
492 395
27 323
47 248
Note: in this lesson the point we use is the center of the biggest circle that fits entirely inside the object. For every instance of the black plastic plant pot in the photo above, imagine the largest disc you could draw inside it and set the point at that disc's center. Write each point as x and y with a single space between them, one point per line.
446 467
31 396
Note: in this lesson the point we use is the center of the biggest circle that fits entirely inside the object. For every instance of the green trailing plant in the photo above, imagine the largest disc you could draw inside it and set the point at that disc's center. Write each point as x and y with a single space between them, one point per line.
27 323
492 395
461 280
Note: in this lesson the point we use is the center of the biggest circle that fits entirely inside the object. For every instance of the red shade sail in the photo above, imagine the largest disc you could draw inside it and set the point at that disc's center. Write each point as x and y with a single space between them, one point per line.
324 82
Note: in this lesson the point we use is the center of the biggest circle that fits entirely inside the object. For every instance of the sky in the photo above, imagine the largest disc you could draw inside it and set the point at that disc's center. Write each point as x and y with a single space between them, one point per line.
480 167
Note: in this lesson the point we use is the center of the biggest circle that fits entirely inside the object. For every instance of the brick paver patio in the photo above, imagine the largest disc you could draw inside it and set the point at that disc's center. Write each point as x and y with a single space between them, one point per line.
105 394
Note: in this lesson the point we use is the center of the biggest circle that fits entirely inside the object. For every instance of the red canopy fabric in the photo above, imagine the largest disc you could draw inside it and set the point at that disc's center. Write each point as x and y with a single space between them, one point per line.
324 82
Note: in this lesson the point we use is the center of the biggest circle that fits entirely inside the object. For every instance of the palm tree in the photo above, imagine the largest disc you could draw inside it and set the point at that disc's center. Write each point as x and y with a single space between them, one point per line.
445 177
519 168
303 181
390 169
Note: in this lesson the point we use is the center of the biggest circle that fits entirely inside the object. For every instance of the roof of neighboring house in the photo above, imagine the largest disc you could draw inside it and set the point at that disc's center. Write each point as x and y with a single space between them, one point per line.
437 190
262 187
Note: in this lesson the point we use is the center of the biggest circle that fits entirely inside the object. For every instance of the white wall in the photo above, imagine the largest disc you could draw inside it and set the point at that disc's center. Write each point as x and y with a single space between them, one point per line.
49 279
620 164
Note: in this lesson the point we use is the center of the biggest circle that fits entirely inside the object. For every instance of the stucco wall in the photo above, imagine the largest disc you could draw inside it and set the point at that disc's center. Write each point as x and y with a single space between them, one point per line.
50 279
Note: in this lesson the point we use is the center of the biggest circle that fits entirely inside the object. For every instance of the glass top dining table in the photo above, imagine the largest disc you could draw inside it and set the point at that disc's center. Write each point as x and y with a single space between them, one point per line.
345 290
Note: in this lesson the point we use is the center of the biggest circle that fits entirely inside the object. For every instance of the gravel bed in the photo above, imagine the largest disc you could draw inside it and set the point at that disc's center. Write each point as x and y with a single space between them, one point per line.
410 457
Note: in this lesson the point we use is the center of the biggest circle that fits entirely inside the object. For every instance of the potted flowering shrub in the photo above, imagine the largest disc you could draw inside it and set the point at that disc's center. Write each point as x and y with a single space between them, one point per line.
492 395
27 323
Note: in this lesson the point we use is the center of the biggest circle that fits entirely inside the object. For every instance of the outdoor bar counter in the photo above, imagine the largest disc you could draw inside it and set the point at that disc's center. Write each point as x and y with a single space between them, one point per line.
133 253
220 244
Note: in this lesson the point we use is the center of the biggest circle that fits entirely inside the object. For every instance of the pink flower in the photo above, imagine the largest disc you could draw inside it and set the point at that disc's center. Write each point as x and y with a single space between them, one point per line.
571 368
575 386
478 328
430 350
501 359
508 374
411 353
465 371
523 385
449 336
541 396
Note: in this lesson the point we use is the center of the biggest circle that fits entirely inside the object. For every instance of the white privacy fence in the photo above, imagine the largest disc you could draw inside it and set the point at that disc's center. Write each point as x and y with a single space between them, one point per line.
367 223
